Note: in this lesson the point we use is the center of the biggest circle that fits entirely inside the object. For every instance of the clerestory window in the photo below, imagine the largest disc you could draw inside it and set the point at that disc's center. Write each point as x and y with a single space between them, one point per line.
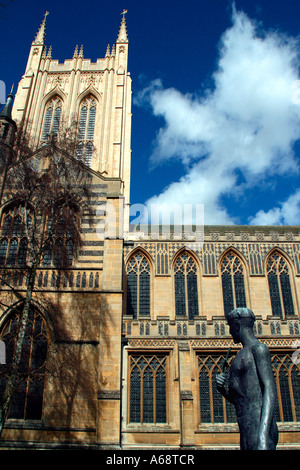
233 285
138 286
186 286
280 286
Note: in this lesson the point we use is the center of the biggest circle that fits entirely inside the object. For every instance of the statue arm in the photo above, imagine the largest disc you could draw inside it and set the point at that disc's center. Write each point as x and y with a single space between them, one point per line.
264 368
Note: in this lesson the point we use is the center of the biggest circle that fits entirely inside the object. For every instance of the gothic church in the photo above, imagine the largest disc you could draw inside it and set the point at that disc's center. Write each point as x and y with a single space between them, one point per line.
143 318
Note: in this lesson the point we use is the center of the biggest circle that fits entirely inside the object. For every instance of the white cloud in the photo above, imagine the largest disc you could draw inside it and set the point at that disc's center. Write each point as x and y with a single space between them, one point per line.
247 123
288 213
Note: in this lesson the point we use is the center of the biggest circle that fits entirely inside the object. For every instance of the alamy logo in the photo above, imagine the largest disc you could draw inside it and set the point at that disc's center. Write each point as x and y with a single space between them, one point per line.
174 222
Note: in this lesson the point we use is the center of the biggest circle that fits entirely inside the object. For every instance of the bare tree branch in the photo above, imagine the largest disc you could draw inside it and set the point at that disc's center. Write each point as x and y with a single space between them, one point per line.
49 190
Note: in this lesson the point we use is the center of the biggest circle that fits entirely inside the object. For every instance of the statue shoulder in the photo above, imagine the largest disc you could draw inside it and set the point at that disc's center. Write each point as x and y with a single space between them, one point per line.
260 350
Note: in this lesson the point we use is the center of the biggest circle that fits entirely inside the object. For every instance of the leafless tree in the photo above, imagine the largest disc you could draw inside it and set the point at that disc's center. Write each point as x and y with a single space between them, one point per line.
45 193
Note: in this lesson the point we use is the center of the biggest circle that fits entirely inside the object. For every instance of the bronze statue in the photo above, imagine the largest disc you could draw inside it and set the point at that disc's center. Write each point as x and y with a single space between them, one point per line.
250 385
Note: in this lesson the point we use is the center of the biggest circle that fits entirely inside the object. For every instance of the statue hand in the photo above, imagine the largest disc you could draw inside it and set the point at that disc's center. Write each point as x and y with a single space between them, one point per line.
221 380
222 385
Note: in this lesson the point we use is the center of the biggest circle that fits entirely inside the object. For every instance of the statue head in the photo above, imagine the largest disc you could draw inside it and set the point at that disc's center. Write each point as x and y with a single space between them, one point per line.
239 319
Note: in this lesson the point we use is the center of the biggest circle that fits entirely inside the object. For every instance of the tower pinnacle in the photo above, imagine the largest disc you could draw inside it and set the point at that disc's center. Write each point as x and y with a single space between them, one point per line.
8 126
6 111
41 34
122 37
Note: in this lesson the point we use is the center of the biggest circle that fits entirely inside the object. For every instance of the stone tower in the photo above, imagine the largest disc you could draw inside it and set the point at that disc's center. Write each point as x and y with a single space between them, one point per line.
96 95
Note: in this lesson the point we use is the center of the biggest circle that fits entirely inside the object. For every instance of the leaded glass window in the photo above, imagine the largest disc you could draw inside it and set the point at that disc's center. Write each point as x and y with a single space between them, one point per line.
14 243
214 408
138 286
86 128
52 118
280 286
186 286
287 377
3 251
148 389
60 247
12 253
233 284
27 400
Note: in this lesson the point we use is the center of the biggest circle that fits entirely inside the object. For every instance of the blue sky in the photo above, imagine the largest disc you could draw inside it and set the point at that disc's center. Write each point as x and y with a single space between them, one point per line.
216 102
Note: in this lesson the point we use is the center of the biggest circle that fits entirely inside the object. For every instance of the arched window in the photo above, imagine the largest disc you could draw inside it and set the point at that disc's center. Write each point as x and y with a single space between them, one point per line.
213 406
52 118
287 379
138 286
279 285
14 243
12 253
3 251
27 400
186 288
148 398
87 117
233 285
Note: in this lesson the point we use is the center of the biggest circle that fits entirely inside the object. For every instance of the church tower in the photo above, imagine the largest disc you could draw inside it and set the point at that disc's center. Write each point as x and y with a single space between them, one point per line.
96 95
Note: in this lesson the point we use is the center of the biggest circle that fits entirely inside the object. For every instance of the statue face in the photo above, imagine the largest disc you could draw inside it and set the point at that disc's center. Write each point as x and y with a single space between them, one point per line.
234 329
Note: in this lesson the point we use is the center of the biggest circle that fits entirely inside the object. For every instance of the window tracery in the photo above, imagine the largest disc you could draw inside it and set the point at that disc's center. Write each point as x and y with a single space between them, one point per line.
138 286
52 118
27 400
186 288
14 243
213 406
148 389
287 377
233 285
280 286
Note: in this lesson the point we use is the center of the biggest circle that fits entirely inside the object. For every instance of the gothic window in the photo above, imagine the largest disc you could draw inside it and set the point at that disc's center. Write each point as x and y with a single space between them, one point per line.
86 128
186 288
214 408
52 118
13 242
287 377
280 286
3 251
60 245
148 389
27 400
138 286
233 285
